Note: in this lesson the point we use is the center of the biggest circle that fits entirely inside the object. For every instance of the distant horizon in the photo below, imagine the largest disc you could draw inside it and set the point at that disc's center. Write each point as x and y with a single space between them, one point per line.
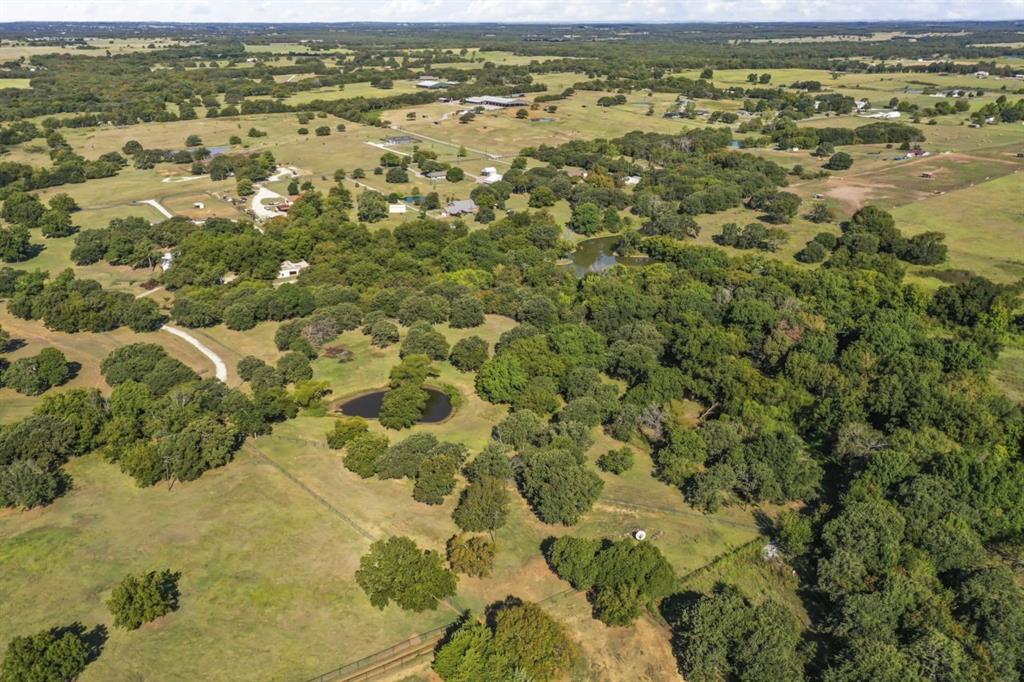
522 12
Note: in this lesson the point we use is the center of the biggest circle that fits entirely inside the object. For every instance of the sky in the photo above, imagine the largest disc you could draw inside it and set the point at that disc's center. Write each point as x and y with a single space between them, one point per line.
543 11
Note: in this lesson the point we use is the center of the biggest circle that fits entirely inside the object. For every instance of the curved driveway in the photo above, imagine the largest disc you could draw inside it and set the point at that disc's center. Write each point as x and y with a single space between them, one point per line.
219 366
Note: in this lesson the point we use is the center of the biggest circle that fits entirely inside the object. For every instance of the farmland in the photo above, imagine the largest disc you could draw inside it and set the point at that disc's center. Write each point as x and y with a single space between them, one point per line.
782 413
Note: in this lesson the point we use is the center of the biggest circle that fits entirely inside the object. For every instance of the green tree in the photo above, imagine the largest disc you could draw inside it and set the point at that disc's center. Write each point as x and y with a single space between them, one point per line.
467 311
558 488
346 430
722 634
839 161
363 452
55 223
397 570
48 656
586 218
468 354
15 244
372 206
435 479
403 406
138 599
483 506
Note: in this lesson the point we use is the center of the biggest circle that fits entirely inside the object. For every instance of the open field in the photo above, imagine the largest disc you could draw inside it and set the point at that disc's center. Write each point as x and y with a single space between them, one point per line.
16 83
992 246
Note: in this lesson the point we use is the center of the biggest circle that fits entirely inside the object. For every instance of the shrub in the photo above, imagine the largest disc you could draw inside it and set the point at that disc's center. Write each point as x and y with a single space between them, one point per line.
138 599
346 430
616 461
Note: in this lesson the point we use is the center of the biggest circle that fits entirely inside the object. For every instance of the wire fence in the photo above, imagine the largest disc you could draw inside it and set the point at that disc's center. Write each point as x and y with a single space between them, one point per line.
386 659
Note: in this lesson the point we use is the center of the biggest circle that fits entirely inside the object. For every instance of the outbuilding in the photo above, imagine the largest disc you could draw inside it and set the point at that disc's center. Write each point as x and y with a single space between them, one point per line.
290 269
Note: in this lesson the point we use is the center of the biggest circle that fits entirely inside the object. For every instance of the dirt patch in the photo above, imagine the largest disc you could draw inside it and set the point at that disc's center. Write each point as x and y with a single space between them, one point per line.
851 196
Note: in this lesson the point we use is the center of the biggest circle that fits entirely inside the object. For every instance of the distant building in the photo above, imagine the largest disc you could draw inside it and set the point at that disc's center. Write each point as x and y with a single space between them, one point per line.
489 175
631 180
290 269
165 261
199 204
399 139
497 101
398 208
981 74
432 84
460 207
576 172
436 175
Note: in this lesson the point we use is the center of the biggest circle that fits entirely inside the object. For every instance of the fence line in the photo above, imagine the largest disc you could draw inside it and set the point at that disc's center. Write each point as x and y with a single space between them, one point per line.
380 661
312 493
381 658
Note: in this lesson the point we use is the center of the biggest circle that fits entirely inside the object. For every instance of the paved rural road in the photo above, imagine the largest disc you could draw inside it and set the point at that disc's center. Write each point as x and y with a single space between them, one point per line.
222 369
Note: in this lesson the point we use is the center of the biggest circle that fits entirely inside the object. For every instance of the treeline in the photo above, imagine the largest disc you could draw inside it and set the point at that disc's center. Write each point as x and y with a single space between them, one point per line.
786 134
70 305
160 423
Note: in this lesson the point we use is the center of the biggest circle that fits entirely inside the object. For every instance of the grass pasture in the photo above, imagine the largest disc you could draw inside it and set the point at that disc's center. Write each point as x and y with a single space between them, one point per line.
992 246
268 545
86 349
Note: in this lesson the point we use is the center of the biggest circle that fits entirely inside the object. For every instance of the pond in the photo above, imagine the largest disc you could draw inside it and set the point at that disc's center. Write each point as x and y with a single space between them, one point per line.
367 406
598 255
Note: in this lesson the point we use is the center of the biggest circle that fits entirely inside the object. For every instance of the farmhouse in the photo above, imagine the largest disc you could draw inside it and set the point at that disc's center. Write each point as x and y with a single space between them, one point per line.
631 180
435 175
290 269
460 207
497 101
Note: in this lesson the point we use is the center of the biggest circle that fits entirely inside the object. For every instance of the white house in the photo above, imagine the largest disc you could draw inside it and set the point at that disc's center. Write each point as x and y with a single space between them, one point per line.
398 208
981 74
165 261
290 269
631 180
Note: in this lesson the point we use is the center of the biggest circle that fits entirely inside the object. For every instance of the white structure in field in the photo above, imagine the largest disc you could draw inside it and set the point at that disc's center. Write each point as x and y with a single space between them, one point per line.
631 180
398 208
489 175
165 261
290 269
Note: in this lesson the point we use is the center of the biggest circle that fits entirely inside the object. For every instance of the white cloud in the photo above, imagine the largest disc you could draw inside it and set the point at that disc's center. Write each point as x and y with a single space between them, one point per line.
542 11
